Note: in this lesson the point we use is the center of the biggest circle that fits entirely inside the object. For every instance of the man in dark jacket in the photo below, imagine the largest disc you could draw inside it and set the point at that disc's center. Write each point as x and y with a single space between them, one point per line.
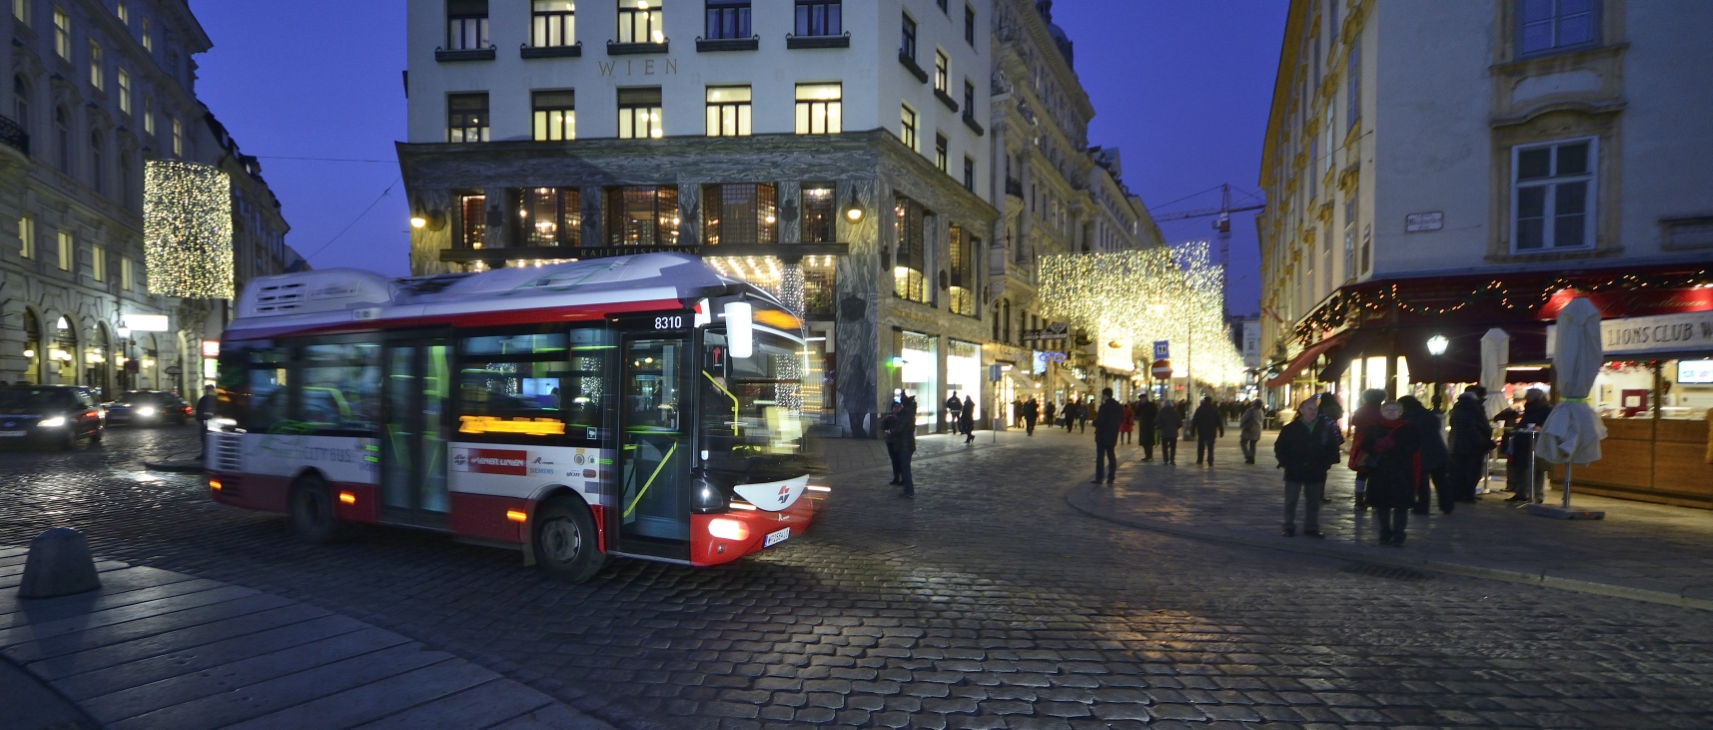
1306 448
204 413
1207 423
1106 423
954 409
1471 439
1535 412
903 439
1146 412
966 419
1433 455
1031 412
1168 423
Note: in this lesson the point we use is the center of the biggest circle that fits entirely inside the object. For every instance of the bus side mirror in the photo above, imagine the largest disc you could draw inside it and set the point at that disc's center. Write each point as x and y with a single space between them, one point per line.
740 329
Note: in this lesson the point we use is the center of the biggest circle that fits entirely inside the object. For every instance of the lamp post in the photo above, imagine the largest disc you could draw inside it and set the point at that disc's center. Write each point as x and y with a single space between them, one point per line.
1436 346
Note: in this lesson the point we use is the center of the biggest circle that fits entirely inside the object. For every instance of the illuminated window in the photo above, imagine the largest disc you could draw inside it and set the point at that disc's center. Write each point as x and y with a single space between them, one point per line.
467 117
62 34
148 114
466 25
21 11
820 108
941 71
819 222
27 237
472 220
148 37
728 111
555 115
124 91
127 278
960 249
97 78
123 12
65 250
740 213
639 113
98 263
548 216
554 23
641 21
911 258
177 138
907 129
642 215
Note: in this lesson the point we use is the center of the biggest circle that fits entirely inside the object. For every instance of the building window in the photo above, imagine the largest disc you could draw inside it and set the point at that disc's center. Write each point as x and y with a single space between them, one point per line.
1547 26
148 37
944 5
940 152
467 117
466 25
639 113
820 108
62 34
727 19
641 21
1353 86
740 213
969 173
1552 196
1313 168
907 129
98 263
148 115
819 222
62 135
553 23
728 111
123 13
969 99
177 138
961 251
127 277
555 115
21 102
97 79
27 237
549 216
65 250
472 220
907 47
642 215
1350 239
124 91
969 25
942 72
911 258
21 11
96 162
819 18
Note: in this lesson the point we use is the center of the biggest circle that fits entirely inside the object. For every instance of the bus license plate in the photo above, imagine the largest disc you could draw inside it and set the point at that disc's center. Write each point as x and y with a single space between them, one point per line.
774 538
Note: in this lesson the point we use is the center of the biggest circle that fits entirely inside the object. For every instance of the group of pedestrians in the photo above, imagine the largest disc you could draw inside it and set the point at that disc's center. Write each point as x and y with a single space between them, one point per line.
962 415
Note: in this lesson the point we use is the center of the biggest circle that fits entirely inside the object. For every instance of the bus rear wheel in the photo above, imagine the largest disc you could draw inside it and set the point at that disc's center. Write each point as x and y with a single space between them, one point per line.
311 508
565 544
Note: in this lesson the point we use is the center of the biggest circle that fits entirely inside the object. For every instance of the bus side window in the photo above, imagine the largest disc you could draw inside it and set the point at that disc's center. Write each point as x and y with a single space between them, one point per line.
585 394
269 397
514 389
341 388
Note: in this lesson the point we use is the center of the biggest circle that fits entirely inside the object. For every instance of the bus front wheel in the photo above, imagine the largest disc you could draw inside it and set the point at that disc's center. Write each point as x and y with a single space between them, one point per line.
565 541
312 515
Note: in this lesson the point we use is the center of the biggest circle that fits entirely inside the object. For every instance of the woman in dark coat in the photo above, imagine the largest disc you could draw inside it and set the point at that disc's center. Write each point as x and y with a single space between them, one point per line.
1146 411
1434 455
1391 451
1168 422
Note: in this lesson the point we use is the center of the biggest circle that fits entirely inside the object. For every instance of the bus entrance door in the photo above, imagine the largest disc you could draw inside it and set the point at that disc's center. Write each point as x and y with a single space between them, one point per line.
413 433
652 514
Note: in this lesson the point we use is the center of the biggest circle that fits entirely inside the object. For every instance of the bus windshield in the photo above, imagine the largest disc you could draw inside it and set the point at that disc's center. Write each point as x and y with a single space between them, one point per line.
752 409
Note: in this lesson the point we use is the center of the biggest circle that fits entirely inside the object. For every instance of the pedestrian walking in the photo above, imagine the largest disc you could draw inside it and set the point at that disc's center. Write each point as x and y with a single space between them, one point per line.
888 424
1106 425
966 419
1167 423
1307 447
1471 439
1434 456
1127 425
1146 414
1249 430
1391 454
1032 411
1017 412
904 440
1085 412
1049 415
954 411
204 413
1208 423
1366 415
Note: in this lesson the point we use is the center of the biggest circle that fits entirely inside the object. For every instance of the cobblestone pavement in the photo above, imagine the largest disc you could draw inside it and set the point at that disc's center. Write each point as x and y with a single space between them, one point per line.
985 602
1660 551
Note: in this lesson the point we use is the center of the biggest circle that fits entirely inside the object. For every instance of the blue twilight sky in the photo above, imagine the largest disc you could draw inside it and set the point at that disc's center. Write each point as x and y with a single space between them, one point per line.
1181 86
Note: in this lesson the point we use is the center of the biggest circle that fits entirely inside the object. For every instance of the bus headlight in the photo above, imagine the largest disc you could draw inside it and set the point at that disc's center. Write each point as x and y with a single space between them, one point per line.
55 422
728 529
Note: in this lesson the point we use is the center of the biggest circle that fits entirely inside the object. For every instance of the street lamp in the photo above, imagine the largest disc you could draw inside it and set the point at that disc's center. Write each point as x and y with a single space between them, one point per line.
1436 347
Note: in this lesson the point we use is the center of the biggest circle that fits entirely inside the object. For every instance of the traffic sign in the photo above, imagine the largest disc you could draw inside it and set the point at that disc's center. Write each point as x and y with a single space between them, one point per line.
993 373
1161 349
1162 368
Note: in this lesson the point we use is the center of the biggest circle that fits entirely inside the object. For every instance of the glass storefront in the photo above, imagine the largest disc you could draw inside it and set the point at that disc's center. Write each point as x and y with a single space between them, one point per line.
919 374
963 373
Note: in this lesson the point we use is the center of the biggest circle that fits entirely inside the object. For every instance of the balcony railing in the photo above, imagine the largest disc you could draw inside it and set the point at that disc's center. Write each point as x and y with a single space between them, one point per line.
14 135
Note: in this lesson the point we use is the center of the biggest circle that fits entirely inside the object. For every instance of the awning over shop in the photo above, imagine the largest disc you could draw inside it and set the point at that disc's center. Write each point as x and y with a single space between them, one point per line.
1021 380
1070 381
1461 362
1303 359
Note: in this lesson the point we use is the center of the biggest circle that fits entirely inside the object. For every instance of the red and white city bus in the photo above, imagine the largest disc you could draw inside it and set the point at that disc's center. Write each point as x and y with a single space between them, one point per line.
638 406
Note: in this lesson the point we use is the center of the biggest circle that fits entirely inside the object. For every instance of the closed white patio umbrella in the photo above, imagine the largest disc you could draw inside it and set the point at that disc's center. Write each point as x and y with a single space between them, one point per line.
1495 356
1573 431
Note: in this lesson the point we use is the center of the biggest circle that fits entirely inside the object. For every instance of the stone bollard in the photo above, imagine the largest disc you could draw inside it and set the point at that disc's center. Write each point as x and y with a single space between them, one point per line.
59 564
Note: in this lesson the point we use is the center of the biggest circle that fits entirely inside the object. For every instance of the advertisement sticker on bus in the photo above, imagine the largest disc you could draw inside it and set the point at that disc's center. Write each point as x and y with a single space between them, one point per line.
491 461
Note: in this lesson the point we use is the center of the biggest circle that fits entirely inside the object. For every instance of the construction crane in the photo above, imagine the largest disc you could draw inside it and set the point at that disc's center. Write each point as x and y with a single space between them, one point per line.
1222 224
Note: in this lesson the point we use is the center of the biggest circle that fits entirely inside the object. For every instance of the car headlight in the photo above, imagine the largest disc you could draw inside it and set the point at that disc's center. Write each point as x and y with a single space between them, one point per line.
146 411
55 422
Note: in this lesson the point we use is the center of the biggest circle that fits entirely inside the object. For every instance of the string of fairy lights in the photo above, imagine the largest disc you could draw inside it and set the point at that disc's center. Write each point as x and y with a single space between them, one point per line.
1174 294
187 230
1340 308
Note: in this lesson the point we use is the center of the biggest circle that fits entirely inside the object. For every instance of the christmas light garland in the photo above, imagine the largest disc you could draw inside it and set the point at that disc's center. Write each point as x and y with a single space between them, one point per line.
187 230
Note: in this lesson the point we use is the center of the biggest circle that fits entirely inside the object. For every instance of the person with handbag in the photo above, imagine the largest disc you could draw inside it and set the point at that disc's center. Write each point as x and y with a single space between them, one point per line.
1306 449
1168 422
1391 457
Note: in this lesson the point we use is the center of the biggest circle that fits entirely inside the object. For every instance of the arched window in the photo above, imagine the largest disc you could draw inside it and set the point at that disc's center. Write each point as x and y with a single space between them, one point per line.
33 355
62 135
65 352
96 161
21 103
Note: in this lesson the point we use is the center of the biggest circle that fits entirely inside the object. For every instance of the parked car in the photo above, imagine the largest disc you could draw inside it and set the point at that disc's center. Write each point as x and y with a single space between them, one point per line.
52 415
148 408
